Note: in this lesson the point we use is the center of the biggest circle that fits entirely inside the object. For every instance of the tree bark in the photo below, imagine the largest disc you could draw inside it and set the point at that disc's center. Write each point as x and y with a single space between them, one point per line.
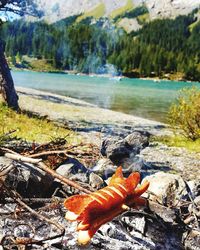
7 89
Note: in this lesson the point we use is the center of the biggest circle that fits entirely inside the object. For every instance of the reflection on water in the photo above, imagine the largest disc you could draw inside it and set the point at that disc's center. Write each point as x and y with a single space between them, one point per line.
143 98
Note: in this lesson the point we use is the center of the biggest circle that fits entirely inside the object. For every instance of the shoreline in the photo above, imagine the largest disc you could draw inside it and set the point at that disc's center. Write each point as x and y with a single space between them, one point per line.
79 113
117 77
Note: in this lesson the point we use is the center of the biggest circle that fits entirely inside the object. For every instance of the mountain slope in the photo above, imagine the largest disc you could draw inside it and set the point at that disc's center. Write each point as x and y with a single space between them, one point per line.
55 10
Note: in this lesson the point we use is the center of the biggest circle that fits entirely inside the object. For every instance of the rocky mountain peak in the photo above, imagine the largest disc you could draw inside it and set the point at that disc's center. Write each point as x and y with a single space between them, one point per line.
55 10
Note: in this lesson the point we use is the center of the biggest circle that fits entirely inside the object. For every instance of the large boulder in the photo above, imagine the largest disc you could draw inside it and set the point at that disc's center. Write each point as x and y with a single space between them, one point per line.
116 150
167 189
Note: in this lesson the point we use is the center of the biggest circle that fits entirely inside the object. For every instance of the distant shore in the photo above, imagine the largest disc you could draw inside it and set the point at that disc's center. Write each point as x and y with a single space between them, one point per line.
172 77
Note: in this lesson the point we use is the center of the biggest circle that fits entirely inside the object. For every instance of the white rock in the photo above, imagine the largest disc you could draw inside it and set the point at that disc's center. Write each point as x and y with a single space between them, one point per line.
104 166
95 181
194 186
64 169
166 188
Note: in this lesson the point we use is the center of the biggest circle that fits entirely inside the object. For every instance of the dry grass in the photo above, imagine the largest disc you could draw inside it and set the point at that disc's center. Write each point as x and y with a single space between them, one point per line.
31 128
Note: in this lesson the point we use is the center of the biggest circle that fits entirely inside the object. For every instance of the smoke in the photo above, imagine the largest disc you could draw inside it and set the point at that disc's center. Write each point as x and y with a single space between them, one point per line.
105 37
108 69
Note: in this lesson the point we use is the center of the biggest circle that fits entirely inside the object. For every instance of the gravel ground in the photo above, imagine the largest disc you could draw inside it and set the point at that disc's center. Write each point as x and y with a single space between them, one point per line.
95 123
159 157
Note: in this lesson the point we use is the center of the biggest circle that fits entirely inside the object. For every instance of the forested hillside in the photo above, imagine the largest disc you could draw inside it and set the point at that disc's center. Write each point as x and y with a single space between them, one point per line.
159 48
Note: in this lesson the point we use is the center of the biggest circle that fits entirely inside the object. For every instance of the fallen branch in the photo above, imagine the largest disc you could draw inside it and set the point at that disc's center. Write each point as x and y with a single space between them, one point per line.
48 153
63 179
8 150
18 157
67 152
41 217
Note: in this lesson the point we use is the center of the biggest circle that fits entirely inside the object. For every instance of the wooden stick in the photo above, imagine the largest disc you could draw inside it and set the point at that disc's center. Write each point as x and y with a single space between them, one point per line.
41 217
48 153
8 150
62 178
6 170
18 157
66 152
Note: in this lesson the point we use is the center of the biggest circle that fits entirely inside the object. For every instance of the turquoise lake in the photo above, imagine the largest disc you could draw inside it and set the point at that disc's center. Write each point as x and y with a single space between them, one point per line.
144 98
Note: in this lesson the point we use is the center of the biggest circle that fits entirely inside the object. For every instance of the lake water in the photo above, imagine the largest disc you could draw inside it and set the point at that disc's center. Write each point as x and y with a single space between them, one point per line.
144 98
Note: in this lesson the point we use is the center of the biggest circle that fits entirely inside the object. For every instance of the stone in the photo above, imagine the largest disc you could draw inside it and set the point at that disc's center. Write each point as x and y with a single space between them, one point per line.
195 206
79 177
115 150
28 180
197 201
71 167
119 149
138 141
73 170
194 186
95 181
65 169
167 189
167 214
160 157
104 168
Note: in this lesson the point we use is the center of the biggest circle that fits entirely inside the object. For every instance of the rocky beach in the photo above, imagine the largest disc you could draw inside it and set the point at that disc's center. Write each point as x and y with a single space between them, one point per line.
171 218
95 125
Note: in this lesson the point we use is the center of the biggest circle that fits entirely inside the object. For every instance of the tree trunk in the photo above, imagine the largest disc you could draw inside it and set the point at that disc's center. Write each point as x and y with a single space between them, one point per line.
7 89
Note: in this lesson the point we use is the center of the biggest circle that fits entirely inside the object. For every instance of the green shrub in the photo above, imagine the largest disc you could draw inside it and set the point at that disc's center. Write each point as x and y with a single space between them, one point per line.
185 114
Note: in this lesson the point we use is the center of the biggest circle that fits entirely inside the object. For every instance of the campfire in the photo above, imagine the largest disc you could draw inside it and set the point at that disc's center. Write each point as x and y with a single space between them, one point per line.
36 199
